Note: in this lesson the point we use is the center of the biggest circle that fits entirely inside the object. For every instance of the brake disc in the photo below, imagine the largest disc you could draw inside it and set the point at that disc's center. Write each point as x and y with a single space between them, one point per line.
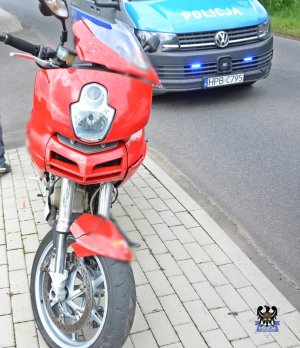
59 313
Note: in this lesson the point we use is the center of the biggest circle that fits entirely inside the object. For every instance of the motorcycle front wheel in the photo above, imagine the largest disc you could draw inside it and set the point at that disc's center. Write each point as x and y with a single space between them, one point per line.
99 304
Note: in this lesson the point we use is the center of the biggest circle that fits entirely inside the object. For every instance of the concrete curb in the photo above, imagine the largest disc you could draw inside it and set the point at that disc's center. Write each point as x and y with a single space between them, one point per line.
8 22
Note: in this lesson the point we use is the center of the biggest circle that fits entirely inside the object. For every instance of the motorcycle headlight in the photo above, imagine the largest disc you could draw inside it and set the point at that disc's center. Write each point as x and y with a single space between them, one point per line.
168 41
264 30
92 116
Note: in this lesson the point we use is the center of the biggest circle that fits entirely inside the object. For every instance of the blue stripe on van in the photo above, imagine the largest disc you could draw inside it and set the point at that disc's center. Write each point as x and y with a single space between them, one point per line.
79 14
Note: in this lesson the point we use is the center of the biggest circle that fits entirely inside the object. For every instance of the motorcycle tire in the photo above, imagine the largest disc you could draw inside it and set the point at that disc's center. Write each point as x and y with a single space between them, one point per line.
119 301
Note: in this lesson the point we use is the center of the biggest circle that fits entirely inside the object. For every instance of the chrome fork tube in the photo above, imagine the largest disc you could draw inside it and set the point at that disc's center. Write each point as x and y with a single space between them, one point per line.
63 222
60 253
105 197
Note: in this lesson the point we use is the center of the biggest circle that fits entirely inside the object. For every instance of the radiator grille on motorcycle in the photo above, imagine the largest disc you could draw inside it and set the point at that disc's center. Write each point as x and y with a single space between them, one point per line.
113 163
60 158
206 40
86 148
87 169
180 72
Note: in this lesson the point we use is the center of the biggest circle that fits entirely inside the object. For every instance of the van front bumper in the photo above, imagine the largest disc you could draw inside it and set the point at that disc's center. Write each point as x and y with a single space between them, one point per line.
180 71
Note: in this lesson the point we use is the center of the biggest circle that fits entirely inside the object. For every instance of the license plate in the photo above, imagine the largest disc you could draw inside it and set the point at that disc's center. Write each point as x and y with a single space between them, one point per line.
223 80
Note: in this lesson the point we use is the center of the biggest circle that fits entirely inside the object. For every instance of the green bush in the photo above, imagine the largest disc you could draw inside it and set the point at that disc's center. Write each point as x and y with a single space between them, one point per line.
277 5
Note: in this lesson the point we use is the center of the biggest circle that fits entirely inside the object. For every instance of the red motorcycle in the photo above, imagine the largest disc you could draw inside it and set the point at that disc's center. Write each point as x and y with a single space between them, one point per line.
86 138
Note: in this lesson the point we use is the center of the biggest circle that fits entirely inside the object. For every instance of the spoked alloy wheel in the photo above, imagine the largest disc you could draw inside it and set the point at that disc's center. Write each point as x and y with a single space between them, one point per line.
99 304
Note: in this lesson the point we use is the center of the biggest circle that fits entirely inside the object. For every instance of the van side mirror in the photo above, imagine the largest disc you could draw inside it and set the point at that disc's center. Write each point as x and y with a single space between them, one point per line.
152 44
109 4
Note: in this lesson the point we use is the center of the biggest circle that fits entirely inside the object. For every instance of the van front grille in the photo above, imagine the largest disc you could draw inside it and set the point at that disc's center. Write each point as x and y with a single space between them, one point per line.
206 40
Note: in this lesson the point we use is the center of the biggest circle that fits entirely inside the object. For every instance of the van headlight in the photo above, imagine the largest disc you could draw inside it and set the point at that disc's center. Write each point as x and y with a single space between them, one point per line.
92 116
264 30
168 41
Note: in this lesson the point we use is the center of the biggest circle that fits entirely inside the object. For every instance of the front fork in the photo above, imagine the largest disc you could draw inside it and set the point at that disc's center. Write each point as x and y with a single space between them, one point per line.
59 274
63 223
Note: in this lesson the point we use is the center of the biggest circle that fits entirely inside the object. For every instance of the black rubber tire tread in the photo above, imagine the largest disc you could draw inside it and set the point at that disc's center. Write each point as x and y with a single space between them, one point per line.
121 301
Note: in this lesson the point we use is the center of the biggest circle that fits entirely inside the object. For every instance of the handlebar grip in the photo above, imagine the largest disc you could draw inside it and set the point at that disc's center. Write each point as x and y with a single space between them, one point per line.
22 45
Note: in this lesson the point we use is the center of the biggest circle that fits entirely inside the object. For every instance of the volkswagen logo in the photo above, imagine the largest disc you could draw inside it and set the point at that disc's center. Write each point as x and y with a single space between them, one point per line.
221 39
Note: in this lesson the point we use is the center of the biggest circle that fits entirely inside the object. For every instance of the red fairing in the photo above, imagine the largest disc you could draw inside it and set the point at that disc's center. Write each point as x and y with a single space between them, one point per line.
56 90
110 165
91 49
98 236
117 164
136 149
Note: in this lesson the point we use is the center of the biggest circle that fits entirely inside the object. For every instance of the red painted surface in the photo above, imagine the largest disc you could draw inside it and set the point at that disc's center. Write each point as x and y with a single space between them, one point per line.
98 236
85 169
136 148
56 90
91 49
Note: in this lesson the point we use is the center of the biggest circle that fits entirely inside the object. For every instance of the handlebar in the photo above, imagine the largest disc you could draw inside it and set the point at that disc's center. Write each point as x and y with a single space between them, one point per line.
20 44
3 36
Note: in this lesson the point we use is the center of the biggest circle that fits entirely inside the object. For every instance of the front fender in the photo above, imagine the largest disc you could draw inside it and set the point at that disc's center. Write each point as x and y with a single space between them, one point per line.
95 235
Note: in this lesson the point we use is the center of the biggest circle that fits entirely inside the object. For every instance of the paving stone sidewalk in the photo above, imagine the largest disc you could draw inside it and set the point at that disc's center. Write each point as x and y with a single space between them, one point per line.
195 287
8 22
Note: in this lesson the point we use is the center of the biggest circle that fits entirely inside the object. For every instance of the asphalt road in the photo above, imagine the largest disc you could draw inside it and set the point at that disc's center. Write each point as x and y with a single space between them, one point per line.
239 146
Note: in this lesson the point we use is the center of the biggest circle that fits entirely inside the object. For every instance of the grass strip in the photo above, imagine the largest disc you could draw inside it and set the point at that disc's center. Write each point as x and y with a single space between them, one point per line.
286 21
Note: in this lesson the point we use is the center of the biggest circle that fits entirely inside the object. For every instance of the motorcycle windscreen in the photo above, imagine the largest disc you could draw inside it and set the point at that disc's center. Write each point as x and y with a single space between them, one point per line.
114 46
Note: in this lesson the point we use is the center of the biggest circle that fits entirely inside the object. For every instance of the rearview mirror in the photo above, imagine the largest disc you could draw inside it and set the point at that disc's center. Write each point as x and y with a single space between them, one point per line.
58 8
45 10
